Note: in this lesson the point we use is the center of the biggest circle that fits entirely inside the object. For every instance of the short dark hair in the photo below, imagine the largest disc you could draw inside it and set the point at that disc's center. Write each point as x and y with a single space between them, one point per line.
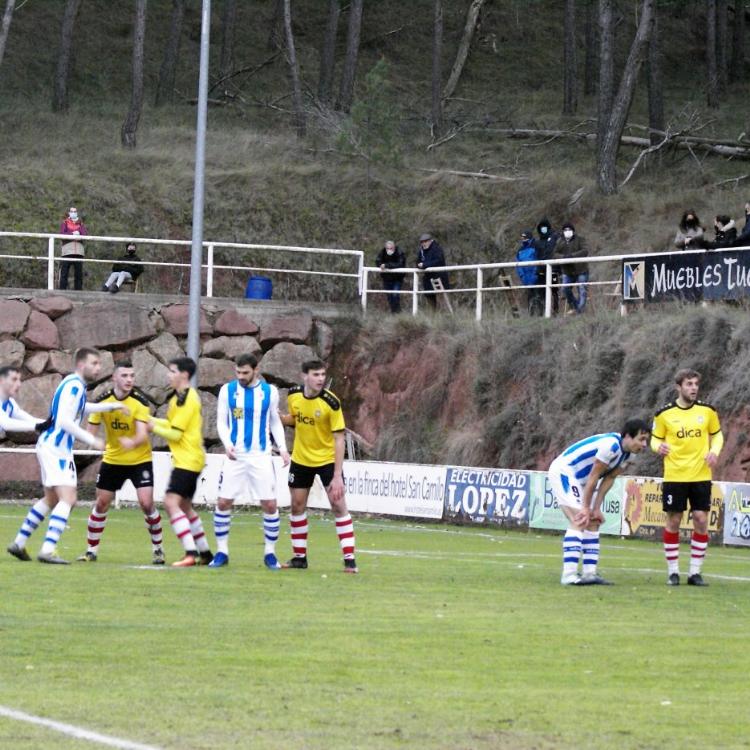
84 353
313 364
184 364
123 363
633 427
243 360
8 369
686 373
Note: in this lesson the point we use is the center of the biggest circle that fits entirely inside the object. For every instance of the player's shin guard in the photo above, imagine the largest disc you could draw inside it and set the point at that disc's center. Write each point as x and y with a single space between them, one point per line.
345 531
590 545
672 550
196 529
37 513
698 544
181 527
97 522
153 524
271 523
299 534
222 522
57 522
571 551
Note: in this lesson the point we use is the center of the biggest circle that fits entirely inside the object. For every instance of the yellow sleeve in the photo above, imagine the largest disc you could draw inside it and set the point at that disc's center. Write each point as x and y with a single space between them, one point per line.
141 413
95 418
184 414
658 433
337 420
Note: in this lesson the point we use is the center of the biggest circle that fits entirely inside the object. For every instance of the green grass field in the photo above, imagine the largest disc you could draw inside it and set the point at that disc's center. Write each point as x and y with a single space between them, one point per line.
450 637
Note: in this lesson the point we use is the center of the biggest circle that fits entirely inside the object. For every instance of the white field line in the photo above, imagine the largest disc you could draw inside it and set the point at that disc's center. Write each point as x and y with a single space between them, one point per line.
72 731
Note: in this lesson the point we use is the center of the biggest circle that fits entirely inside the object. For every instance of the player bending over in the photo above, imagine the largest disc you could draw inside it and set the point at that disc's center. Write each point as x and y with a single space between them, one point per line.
580 478
127 455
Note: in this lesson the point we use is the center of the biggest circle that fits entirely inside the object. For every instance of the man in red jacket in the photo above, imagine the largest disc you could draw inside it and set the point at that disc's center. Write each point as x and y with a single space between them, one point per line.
72 250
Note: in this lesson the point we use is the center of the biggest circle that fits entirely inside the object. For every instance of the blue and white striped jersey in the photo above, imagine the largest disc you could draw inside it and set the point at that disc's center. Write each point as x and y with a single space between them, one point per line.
246 418
606 448
66 412
14 419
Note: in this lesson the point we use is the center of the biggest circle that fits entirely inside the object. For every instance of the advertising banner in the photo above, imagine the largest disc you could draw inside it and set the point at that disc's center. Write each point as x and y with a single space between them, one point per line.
545 513
736 513
710 275
644 516
494 496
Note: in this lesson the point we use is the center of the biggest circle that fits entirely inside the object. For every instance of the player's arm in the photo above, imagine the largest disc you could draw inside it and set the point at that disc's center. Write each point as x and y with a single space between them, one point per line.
66 419
164 429
276 428
336 488
287 420
598 470
659 437
25 423
100 408
139 438
222 424
715 440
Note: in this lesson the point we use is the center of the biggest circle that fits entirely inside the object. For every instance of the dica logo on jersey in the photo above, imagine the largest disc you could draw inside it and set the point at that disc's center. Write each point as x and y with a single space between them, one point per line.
116 424
688 433
302 419
487 495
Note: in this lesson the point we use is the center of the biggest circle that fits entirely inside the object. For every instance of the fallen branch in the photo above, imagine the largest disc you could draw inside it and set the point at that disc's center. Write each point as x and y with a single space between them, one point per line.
450 136
477 175
250 70
642 155
735 180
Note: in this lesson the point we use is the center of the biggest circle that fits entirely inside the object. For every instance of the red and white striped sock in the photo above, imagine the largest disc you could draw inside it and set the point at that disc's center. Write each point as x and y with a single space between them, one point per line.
97 521
196 529
153 524
345 530
698 544
299 527
672 550
181 527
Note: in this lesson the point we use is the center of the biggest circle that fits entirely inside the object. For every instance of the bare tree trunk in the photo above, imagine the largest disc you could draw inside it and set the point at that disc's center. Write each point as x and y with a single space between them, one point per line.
591 58
130 126
737 65
722 45
606 68
712 73
346 90
276 35
291 56
7 18
228 18
328 53
606 168
655 83
62 71
472 21
437 67
165 86
570 74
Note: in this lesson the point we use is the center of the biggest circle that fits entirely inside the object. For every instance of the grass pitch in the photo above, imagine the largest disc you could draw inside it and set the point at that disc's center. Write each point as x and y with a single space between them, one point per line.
449 638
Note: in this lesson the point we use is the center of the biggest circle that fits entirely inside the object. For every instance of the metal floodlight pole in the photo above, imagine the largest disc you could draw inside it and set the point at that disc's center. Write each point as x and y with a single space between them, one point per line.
196 254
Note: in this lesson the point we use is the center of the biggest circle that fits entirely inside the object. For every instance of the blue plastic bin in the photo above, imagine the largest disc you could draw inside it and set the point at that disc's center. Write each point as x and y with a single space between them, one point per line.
259 287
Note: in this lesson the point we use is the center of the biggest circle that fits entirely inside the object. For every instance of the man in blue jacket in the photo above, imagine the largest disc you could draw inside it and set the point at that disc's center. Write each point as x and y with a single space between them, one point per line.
431 255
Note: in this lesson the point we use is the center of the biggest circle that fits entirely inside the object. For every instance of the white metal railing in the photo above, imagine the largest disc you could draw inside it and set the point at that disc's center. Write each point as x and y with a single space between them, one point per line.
209 265
479 289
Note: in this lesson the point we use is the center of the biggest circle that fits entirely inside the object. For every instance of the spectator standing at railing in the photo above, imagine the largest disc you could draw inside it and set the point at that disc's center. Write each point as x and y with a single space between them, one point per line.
390 258
689 232
744 239
72 250
545 244
529 275
572 245
126 269
725 232
431 255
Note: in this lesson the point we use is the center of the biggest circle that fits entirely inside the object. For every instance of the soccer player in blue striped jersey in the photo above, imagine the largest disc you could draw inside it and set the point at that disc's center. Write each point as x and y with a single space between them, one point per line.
54 450
12 417
247 417
580 478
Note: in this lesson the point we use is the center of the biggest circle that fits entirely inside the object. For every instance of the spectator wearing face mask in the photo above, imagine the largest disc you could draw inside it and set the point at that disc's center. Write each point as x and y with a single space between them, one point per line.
689 233
391 257
575 276
72 250
545 250
124 270
744 239
725 232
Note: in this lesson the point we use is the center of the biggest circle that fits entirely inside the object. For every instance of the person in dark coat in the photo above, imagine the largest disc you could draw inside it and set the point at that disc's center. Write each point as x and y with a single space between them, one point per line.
431 255
529 275
725 232
689 232
127 268
571 245
389 258
744 239
545 244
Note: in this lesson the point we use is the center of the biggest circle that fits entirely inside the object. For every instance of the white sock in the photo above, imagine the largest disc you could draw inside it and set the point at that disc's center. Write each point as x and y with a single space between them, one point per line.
58 520
590 544
571 551
271 524
222 522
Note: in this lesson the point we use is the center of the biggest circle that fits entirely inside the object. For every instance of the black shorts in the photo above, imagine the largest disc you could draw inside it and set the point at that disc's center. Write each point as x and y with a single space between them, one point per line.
183 482
302 477
675 496
111 477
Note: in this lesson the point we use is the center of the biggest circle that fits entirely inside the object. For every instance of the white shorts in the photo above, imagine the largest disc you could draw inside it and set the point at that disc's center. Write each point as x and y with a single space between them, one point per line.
566 489
57 470
249 476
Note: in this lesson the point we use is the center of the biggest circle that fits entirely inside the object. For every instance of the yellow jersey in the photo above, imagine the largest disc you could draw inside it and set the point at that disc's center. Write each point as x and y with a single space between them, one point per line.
117 425
315 421
184 413
690 432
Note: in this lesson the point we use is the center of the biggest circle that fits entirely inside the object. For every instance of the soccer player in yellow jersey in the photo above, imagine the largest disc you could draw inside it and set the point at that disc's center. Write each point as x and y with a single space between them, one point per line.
183 431
687 433
127 455
315 413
